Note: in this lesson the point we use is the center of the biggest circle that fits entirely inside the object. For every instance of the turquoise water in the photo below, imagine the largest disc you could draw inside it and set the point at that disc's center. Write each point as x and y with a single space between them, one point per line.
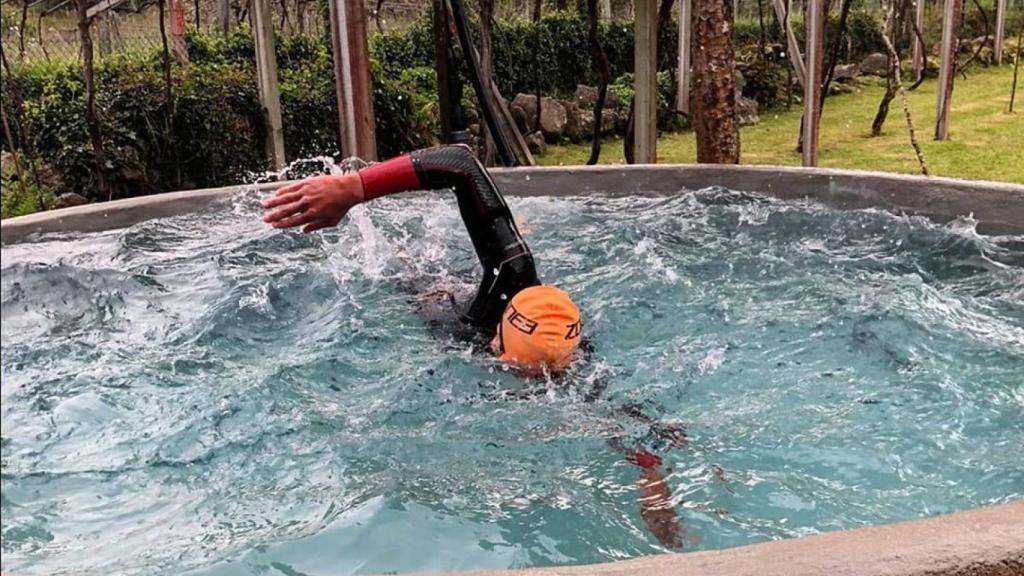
204 395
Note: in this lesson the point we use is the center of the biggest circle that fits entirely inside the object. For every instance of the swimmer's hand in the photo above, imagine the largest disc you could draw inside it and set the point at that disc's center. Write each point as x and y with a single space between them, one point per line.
314 203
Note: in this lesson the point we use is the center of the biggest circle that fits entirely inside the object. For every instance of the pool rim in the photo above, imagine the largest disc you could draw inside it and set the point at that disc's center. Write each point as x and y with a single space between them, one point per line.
998 207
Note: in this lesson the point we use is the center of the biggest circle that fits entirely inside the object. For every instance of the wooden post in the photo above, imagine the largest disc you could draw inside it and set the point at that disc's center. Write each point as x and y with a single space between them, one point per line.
224 16
815 49
605 9
997 47
177 21
266 80
918 44
352 79
951 15
104 25
645 74
685 42
781 8
441 47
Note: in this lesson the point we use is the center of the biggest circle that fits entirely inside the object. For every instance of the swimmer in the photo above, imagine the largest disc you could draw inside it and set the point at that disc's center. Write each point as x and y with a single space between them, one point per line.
532 327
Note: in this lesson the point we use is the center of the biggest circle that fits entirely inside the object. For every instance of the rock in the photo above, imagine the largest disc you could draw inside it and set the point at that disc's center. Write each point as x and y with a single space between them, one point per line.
607 120
528 104
837 88
535 142
552 118
876 64
746 111
586 97
741 82
572 129
845 72
984 40
621 120
987 56
577 123
6 163
69 199
519 117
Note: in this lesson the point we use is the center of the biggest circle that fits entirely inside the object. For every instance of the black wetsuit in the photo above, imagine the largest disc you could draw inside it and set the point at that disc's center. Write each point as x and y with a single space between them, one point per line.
507 262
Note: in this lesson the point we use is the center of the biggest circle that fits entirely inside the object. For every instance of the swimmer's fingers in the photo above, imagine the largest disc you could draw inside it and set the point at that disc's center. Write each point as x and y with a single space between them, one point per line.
290 188
284 196
284 212
296 220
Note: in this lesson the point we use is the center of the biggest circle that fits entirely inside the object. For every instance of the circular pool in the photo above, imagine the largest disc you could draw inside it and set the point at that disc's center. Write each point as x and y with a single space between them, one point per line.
186 390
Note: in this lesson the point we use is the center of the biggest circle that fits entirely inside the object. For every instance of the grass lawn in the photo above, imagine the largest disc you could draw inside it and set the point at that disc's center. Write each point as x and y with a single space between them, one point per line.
986 142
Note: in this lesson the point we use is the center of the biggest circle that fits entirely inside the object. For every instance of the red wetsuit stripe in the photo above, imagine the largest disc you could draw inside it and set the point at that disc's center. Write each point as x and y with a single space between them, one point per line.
389 177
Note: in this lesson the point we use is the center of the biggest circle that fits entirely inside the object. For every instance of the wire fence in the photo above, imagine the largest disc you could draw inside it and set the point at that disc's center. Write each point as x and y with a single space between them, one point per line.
47 30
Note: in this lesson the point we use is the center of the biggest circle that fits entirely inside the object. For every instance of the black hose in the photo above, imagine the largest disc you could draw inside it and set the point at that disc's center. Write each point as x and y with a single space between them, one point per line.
468 52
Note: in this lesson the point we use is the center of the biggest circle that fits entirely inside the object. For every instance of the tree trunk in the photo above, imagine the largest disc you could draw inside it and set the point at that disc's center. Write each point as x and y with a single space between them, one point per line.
947 66
168 95
714 88
486 21
536 56
91 119
13 150
664 19
601 61
21 30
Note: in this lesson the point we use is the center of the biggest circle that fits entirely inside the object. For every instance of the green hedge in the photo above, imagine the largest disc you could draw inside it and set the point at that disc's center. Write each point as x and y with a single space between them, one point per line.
217 136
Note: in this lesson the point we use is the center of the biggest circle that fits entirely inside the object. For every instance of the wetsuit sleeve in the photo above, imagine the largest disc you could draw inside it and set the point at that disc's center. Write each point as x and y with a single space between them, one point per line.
508 265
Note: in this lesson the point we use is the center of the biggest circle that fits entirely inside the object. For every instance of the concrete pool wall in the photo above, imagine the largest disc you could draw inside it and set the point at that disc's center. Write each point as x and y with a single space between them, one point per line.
985 541
998 207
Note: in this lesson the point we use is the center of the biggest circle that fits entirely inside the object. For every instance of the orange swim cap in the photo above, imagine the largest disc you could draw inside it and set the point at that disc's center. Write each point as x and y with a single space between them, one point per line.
541 327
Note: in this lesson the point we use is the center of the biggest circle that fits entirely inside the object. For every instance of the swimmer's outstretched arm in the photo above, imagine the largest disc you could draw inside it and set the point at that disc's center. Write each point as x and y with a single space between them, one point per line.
508 267
322 201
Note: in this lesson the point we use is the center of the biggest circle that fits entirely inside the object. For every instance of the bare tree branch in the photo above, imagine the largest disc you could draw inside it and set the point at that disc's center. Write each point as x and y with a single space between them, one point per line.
977 51
601 61
1016 65
91 118
891 32
21 30
919 37
894 57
